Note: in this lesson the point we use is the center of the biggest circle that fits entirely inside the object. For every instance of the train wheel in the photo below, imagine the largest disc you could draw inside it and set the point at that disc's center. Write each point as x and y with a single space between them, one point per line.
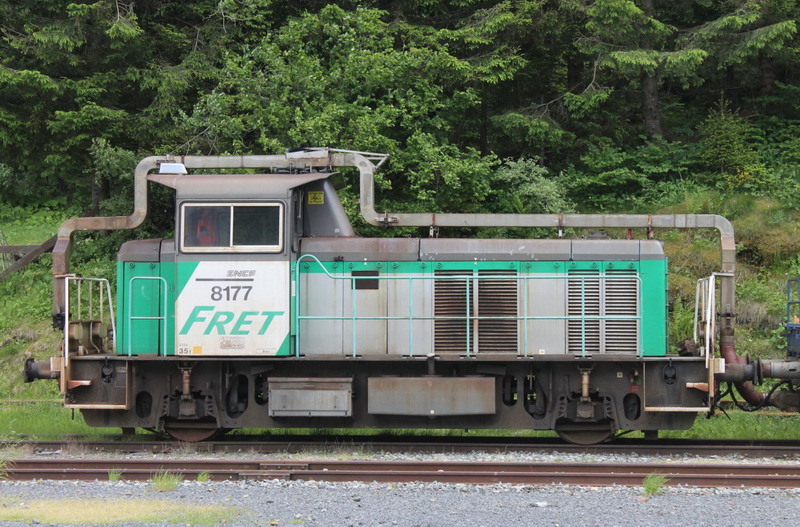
191 432
585 433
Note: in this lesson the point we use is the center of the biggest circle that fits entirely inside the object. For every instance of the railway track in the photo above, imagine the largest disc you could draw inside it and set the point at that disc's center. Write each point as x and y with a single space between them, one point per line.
595 474
301 444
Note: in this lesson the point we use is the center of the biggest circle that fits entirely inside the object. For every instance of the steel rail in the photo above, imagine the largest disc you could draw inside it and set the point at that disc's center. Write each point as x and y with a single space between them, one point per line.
594 474
300 444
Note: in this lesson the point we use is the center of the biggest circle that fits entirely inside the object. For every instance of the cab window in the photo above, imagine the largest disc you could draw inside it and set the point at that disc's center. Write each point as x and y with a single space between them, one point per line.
208 227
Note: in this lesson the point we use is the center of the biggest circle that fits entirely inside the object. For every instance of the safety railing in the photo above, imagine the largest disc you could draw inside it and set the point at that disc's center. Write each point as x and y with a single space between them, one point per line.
468 317
705 315
87 299
793 301
162 294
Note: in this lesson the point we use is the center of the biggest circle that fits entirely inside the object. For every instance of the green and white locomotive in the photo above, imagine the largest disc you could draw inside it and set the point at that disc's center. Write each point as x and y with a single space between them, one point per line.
267 310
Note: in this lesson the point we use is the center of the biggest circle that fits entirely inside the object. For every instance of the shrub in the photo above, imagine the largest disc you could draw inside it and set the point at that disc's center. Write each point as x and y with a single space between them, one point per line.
726 148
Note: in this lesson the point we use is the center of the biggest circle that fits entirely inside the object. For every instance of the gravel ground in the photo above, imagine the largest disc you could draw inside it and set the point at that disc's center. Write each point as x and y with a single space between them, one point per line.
373 504
309 504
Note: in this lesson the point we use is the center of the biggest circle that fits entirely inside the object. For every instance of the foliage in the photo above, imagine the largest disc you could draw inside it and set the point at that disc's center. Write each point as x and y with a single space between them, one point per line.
607 172
114 475
726 148
519 107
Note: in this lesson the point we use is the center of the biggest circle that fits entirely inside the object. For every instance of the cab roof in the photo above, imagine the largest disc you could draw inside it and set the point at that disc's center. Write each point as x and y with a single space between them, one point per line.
236 186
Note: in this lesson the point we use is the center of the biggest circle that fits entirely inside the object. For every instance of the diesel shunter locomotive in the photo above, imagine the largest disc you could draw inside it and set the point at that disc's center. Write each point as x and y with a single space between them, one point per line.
267 310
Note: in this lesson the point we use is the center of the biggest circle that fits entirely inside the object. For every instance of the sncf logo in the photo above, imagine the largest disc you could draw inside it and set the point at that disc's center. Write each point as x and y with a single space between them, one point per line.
247 273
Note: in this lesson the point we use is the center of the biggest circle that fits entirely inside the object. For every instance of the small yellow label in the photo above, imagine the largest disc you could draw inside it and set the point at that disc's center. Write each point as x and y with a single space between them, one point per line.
316 197
197 350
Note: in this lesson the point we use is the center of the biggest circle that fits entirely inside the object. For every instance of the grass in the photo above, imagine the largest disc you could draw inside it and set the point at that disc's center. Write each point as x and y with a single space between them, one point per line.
653 484
165 481
740 425
47 420
112 512
114 475
43 420
204 477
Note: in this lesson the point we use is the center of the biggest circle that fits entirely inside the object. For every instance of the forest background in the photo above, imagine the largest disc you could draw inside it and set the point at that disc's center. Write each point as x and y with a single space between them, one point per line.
652 106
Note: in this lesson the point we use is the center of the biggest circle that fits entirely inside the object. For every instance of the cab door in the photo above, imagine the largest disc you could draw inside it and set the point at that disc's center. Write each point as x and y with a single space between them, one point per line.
233 280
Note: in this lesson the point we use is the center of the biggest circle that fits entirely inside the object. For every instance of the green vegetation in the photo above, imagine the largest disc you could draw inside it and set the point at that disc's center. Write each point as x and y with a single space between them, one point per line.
636 107
114 475
165 481
43 420
653 484
113 512
204 477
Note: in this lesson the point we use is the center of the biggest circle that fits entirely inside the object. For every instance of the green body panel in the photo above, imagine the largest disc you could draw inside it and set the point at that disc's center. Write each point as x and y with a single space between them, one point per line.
143 298
141 311
652 274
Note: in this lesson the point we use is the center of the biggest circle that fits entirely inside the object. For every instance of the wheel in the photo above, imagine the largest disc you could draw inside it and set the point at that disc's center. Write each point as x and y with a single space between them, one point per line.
585 433
191 432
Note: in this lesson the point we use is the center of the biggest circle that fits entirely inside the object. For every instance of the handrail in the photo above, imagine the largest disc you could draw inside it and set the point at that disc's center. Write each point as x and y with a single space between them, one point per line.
705 304
353 318
68 318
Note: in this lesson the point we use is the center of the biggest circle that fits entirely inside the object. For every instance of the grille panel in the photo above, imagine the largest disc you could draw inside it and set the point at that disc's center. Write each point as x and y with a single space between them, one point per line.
497 297
450 300
577 330
488 298
604 297
621 298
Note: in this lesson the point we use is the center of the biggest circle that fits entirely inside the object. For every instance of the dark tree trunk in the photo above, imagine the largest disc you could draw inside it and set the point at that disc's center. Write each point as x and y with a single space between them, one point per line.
484 124
575 71
649 87
652 119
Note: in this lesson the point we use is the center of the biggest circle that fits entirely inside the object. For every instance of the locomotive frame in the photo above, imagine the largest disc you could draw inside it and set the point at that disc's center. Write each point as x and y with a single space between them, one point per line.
291 320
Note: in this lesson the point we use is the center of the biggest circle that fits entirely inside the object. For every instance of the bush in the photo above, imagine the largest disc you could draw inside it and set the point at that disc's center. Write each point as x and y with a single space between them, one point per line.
608 172
726 148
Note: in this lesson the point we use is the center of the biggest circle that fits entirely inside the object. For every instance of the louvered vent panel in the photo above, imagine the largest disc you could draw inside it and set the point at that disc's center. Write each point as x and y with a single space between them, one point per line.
591 296
620 300
497 297
450 300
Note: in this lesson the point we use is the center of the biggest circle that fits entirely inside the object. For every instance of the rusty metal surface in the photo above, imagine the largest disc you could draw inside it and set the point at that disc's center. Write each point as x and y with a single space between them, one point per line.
304 160
304 443
30 255
599 474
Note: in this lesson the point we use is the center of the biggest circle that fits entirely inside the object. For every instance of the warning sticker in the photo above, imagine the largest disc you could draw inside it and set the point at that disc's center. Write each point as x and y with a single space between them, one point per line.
316 197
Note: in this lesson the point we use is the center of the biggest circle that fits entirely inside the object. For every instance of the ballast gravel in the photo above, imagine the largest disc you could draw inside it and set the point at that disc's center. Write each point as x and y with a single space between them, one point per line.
374 452
311 503
293 503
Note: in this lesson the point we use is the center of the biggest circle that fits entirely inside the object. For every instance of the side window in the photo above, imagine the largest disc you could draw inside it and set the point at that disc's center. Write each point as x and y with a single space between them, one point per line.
255 225
232 227
206 226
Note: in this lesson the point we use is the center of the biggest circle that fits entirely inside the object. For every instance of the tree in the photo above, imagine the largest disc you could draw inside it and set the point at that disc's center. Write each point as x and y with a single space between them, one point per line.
639 42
